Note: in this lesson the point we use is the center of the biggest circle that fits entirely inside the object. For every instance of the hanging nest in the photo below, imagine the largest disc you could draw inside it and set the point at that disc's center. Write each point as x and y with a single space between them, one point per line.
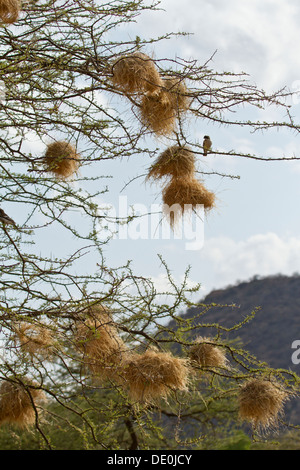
261 402
9 11
18 403
175 161
183 195
153 375
158 114
206 354
136 73
178 93
97 339
36 340
61 159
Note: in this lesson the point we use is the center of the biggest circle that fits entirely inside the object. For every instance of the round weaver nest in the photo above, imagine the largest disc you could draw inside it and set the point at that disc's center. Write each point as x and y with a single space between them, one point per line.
176 161
18 403
183 195
9 11
206 354
61 159
136 73
261 402
154 375
97 338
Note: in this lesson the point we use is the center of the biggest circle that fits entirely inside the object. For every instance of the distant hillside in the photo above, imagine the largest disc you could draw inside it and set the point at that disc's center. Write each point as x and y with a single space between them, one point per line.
276 325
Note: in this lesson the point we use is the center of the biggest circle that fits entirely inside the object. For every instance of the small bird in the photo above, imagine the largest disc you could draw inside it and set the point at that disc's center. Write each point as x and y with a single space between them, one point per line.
206 144
5 219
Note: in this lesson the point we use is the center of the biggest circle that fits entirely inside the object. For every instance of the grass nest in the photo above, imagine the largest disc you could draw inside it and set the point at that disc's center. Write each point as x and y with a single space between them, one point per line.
136 73
176 161
9 11
157 113
261 402
183 195
206 354
18 403
62 159
178 93
97 339
36 340
153 375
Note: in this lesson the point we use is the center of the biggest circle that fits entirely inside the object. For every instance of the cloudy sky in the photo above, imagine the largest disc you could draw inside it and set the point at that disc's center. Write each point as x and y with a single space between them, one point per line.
255 228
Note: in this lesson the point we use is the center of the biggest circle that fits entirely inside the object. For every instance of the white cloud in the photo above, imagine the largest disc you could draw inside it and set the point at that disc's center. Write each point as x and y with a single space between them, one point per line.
226 261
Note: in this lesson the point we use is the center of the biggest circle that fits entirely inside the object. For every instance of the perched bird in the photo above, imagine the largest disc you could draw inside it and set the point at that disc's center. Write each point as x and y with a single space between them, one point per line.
206 144
5 219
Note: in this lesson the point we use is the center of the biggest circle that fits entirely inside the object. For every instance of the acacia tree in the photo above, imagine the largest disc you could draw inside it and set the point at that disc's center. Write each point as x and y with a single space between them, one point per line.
57 64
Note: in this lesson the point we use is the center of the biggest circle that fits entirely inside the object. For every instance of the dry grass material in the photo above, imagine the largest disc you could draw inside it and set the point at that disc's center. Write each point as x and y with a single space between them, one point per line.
157 113
206 354
136 73
61 159
97 338
175 161
261 402
178 93
17 404
182 195
9 11
153 375
36 340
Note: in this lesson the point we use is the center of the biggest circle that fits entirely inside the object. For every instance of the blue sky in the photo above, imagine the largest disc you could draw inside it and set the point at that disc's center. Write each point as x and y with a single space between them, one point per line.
255 227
